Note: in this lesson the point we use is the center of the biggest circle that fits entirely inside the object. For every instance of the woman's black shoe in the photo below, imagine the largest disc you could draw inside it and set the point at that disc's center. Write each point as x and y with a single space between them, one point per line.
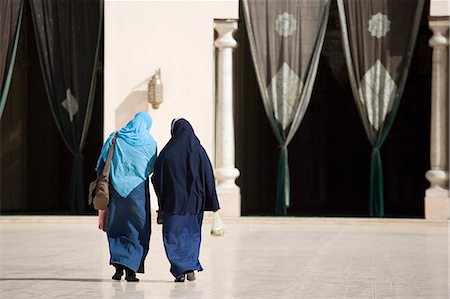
119 272
131 275
190 276
132 278
180 278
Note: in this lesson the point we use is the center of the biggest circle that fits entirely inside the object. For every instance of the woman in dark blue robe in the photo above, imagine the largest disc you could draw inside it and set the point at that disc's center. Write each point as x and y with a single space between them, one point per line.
128 227
184 182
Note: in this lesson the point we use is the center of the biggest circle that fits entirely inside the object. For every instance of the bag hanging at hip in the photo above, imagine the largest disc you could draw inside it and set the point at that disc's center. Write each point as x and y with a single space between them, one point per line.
99 189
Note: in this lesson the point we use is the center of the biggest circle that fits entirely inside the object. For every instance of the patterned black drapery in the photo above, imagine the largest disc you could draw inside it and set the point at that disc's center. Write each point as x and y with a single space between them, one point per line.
379 38
286 39
68 39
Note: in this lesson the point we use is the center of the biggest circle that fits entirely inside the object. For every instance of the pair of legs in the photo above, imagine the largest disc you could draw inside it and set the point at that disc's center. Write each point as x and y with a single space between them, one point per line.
129 230
130 274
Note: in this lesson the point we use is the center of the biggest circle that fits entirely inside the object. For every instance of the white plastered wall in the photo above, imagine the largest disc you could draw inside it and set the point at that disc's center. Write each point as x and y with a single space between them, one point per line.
176 36
439 8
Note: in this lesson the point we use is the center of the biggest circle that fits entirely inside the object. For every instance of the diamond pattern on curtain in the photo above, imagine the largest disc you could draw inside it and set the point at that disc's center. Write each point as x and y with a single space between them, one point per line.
379 38
10 21
68 39
286 38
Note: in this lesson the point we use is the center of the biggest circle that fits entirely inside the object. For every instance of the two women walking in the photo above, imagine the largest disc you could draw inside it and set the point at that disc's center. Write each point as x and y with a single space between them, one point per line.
184 184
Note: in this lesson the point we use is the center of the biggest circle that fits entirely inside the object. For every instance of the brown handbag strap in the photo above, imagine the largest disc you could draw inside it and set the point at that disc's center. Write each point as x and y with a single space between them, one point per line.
105 171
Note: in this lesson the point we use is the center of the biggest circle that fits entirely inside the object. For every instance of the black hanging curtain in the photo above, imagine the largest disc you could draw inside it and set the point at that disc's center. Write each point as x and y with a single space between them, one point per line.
68 38
10 19
286 39
379 38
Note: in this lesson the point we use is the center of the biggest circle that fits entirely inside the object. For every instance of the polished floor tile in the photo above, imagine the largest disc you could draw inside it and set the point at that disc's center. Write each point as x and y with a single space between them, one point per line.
67 257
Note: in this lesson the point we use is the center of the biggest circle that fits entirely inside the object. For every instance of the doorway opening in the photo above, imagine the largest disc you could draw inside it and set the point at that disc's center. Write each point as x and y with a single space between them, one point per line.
35 164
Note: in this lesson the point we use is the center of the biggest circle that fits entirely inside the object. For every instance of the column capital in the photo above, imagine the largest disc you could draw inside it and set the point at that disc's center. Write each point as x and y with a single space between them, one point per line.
225 29
440 28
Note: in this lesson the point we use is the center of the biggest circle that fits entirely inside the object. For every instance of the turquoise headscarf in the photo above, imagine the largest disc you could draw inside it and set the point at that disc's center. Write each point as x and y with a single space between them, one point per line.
134 154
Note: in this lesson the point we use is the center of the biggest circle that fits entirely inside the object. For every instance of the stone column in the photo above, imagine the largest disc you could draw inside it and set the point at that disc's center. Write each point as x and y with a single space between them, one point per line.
437 199
225 171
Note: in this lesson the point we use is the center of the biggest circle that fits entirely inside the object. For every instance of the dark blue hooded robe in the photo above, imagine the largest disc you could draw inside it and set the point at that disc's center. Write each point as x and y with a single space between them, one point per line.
129 225
184 182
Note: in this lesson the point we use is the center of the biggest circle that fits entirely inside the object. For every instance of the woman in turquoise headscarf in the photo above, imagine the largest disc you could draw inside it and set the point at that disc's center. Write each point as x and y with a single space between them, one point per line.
129 227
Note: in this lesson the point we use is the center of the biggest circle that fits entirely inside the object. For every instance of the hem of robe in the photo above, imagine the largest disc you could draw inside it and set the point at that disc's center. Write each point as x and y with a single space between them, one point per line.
182 239
129 230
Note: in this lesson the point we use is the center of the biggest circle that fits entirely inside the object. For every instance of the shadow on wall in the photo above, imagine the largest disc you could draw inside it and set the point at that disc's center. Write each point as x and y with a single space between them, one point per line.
135 102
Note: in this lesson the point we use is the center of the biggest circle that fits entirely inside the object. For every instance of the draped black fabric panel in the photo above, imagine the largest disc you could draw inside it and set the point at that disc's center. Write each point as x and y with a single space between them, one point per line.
329 159
378 38
9 24
67 36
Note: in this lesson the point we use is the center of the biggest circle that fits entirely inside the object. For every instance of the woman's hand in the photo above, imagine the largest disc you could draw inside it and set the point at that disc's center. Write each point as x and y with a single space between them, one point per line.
160 217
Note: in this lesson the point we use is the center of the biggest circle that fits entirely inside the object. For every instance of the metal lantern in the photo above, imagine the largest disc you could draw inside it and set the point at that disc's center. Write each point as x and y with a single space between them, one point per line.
155 90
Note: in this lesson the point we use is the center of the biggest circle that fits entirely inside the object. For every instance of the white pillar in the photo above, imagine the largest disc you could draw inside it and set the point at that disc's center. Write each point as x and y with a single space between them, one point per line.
225 171
437 198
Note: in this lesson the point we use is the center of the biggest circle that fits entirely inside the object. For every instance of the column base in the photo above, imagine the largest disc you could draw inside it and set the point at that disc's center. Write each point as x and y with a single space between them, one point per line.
437 205
230 203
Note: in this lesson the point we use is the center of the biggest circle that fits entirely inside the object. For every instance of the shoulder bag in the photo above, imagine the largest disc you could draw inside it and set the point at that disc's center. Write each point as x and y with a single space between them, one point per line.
99 189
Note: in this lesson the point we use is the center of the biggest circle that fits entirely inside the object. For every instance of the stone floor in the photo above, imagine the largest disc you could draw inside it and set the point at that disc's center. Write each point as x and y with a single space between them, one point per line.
67 257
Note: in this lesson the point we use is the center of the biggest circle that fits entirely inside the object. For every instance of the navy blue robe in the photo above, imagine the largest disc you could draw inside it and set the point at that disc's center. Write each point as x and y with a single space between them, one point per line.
184 183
